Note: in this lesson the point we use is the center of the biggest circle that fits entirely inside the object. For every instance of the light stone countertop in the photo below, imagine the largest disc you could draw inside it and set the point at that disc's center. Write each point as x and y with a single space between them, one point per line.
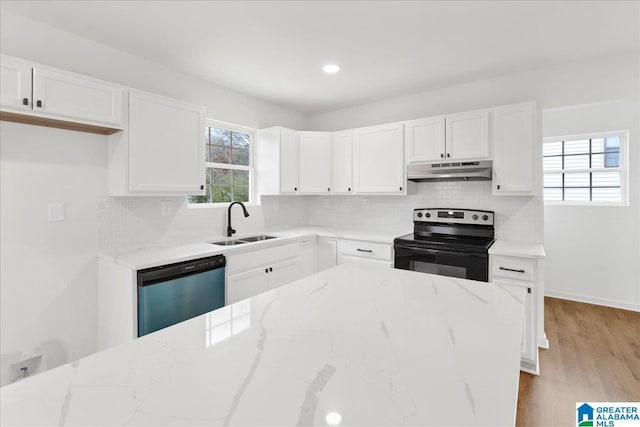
518 249
378 346
167 253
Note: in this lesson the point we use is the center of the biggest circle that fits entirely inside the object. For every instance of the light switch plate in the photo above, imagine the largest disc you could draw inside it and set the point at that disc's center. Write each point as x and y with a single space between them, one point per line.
165 207
56 211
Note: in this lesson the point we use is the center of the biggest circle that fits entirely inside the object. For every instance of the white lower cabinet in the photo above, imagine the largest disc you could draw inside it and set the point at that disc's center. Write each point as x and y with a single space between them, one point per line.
327 253
514 273
364 252
308 257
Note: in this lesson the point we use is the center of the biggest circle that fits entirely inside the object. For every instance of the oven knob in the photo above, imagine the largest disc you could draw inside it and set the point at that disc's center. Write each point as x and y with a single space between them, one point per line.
485 217
428 215
419 214
475 217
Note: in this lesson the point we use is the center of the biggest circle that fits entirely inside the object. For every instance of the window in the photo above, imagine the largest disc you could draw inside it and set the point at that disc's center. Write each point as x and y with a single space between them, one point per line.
229 161
585 169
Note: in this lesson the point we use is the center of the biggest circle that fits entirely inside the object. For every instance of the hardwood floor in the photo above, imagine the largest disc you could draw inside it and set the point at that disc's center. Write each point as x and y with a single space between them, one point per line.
594 355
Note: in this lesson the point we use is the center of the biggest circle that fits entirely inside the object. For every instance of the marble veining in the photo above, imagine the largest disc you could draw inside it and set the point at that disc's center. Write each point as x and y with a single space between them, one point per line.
363 345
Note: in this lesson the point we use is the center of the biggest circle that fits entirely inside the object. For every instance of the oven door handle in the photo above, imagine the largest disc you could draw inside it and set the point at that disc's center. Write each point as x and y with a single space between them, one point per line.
418 250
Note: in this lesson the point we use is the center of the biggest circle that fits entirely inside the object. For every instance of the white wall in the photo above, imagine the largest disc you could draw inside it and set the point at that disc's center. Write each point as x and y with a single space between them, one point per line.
607 78
48 284
48 270
593 252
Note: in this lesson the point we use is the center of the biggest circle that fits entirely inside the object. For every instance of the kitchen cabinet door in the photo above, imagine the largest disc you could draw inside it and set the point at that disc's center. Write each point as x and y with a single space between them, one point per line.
467 136
282 273
513 150
76 97
245 285
378 160
15 83
327 253
528 347
342 162
288 161
307 258
166 145
424 140
315 162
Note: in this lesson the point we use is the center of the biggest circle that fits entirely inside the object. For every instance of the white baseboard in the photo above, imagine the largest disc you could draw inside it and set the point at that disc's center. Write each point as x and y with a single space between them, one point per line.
592 300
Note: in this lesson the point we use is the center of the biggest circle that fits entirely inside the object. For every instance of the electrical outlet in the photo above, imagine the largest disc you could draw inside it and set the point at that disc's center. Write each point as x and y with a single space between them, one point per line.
165 207
326 204
56 211
365 203
24 368
275 204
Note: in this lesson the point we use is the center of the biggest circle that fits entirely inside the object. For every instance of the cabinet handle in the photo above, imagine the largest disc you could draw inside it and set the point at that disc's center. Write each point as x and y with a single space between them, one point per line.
270 269
528 290
202 187
39 103
266 270
329 189
441 155
295 188
364 250
25 101
349 189
498 186
448 154
512 269
400 188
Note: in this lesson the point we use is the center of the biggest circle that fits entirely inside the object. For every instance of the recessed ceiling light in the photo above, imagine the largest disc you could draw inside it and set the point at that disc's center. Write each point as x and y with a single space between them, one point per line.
331 68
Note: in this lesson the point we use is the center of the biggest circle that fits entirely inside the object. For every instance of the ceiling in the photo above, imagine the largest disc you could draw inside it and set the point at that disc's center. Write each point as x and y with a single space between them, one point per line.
275 50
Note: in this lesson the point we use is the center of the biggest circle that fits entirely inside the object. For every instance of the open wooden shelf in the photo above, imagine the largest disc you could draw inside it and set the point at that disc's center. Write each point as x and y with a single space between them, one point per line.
55 123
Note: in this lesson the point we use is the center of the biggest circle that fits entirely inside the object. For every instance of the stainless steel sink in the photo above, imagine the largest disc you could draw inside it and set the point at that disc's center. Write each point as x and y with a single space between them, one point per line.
228 242
243 240
257 238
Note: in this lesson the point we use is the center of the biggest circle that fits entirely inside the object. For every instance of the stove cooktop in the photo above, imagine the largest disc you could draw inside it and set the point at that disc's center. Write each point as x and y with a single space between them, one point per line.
443 242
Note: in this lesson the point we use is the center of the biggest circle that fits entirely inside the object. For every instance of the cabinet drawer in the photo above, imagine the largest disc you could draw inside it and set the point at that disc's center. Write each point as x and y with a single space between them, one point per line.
379 251
512 267
261 257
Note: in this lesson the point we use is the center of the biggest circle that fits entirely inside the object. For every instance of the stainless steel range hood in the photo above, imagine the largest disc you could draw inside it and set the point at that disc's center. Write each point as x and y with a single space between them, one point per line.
450 171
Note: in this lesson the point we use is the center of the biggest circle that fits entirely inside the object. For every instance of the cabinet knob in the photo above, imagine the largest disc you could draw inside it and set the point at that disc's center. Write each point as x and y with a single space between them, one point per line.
266 270
442 155
329 189
39 103
448 154
498 186
400 188
349 189
202 187
295 188
25 101
270 269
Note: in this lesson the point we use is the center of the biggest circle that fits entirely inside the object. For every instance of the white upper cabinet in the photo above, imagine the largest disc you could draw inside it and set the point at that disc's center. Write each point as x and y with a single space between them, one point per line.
45 93
162 151
378 160
289 162
15 83
76 97
315 162
425 140
277 161
467 136
513 150
342 164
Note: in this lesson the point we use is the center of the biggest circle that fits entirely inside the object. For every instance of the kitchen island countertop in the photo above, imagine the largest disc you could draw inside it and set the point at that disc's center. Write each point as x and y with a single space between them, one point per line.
363 345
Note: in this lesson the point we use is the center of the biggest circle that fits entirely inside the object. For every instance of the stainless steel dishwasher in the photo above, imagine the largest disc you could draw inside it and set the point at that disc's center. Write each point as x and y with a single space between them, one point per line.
172 293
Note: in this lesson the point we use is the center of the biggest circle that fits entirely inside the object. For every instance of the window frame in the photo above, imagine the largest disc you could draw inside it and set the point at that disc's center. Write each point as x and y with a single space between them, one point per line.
623 168
251 168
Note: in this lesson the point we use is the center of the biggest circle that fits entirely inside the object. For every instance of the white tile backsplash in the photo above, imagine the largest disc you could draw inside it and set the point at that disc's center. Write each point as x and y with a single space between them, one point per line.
517 218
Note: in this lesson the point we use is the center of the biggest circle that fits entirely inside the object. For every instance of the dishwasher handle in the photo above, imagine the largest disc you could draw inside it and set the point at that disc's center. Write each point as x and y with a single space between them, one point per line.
150 276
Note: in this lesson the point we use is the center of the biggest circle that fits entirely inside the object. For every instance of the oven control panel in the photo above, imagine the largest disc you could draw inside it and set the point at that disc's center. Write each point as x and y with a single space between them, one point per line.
453 216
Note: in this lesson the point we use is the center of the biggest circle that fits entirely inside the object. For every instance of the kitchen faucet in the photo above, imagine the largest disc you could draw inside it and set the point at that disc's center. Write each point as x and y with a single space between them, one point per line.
230 230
